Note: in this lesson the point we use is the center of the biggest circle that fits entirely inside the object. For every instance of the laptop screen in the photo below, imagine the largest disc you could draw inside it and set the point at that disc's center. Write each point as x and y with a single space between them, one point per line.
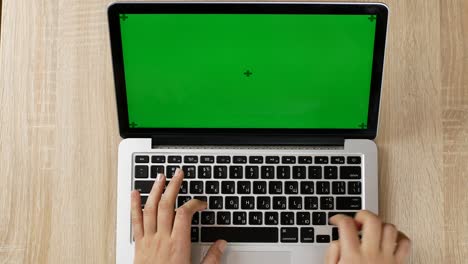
275 71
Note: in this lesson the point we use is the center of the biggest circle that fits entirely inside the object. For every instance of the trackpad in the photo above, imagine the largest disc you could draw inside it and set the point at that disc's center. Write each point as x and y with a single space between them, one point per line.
255 257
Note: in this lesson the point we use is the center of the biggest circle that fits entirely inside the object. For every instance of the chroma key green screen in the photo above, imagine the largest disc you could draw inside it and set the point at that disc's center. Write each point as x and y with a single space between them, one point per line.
248 70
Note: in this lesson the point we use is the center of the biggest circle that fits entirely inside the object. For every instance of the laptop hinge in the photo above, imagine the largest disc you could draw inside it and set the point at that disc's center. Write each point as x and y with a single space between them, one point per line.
251 140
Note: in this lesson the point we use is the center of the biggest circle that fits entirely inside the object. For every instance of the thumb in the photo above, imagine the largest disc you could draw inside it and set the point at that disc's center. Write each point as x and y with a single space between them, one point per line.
214 254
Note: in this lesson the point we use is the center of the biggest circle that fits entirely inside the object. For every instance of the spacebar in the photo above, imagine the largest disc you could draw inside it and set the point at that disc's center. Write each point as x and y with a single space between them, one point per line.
240 234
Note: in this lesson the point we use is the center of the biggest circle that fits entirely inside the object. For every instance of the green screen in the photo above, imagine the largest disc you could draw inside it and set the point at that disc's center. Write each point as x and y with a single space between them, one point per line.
247 70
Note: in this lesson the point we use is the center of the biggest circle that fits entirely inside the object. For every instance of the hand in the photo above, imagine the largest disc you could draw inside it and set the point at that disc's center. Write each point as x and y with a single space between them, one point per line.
161 234
381 243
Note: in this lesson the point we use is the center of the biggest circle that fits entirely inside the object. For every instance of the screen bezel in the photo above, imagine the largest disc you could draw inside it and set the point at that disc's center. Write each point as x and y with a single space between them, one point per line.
248 8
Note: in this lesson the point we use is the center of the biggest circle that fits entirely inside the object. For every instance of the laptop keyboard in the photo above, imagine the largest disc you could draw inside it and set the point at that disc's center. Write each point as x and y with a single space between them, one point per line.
260 199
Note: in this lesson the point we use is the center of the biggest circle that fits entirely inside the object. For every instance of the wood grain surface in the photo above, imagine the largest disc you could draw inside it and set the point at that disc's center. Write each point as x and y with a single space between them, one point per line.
59 135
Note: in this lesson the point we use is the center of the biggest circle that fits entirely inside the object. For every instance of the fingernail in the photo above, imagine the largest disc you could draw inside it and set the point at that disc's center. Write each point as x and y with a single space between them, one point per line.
160 175
222 245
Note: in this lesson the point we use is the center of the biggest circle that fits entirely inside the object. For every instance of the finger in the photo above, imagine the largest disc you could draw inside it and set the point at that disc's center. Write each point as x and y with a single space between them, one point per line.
215 253
137 217
389 238
333 253
151 207
167 204
183 221
403 248
371 231
349 239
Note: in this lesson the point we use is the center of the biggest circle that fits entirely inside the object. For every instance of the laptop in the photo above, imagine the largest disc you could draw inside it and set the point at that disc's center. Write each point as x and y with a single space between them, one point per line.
270 109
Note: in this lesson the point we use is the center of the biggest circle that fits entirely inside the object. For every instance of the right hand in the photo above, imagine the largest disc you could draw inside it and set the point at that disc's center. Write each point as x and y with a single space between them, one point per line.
381 243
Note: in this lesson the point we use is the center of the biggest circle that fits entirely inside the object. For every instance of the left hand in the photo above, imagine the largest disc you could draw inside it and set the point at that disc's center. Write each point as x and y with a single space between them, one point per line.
162 234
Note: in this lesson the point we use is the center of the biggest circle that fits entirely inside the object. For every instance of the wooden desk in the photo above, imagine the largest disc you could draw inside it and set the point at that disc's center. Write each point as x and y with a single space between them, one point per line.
59 135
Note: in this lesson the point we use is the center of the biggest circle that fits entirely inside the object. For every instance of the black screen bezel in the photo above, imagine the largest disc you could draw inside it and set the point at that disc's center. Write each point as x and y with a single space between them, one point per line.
247 8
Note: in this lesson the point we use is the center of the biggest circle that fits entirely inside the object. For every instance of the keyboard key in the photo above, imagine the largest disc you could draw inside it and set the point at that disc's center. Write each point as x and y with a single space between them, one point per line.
350 172
196 218
189 172
212 187
287 218
256 159
207 218
348 203
271 218
243 187
220 172
331 172
311 203
326 203
235 172
299 172
337 160
272 159
315 172
263 202
240 159
295 203
183 188
182 199
259 187
279 203
275 187
289 235
223 159
319 218
141 171
232 202
305 160
191 159
338 187
247 202
288 160
303 218
171 171
194 234
354 160
268 172
207 159
227 187
239 218
143 200
174 159
141 159
307 187
350 214
321 160
255 218
307 234
158 159
196 187
291 187
204 172
251 172
155 170
323 238
335 235
323 187
283 172
144 186
354 187
240 234
223 218
216 202
201 198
